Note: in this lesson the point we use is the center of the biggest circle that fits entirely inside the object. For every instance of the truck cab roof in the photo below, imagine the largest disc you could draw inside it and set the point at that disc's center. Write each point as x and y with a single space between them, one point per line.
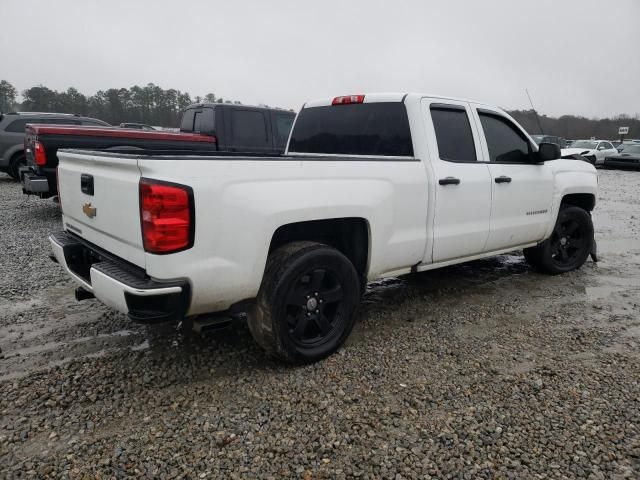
234 105
389 97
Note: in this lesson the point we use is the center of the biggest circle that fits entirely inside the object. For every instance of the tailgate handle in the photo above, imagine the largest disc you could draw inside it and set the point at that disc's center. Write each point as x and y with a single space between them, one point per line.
86 183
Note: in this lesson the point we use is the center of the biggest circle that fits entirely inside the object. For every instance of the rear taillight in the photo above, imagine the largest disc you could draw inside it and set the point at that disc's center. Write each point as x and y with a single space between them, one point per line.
348 99
39 155
167 216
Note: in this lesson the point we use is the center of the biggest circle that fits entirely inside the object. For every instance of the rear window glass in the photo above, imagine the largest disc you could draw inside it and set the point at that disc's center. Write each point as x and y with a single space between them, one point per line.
380 129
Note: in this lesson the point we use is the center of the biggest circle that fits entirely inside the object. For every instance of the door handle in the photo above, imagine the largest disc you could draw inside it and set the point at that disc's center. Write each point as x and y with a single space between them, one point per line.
449 181
503 179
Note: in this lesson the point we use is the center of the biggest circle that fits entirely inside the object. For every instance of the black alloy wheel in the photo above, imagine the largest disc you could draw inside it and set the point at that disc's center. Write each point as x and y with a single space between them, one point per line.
569 245
315 308
568 241
306 305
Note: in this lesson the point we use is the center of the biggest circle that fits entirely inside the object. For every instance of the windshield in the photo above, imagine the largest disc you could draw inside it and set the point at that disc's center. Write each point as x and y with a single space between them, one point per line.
631 149
584 144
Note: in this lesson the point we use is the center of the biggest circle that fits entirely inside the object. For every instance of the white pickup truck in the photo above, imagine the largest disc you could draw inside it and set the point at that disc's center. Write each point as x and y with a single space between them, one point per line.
370 186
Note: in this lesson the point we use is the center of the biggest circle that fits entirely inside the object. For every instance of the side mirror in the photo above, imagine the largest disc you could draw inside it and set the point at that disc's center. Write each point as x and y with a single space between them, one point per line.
548 151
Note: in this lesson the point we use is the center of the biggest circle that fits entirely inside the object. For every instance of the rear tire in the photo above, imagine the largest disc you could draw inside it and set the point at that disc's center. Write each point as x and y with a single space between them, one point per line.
16 162
569 245
306 304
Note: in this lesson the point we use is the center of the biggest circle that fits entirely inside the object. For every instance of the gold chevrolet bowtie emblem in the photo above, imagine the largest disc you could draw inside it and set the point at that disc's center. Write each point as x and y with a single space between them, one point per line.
88 210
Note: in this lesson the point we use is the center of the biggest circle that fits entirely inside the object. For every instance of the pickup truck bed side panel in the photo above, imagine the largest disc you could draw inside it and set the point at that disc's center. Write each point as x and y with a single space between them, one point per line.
241 202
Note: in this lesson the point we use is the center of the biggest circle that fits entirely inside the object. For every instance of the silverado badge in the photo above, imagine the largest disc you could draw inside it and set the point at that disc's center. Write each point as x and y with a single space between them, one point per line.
88 210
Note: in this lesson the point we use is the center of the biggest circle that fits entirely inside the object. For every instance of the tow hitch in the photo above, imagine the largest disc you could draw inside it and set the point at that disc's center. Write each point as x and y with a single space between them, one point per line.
82 294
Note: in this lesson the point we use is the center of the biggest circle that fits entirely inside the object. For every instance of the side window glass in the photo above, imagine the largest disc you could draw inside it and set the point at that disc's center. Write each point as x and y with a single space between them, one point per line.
283 128
249 128
505 142
453 133
60 121
17 126
187 121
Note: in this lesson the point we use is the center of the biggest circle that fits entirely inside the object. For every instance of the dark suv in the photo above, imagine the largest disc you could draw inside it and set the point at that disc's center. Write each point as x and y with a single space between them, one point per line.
12 154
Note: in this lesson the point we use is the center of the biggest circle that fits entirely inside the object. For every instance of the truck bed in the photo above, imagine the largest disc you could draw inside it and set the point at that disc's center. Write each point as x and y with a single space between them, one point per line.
39 177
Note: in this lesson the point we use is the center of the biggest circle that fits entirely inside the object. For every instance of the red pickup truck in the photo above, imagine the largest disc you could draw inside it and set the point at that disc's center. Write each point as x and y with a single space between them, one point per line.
204 128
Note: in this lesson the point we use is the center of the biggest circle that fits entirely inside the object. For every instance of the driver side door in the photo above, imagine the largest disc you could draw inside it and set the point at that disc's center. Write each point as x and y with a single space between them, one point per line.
522 191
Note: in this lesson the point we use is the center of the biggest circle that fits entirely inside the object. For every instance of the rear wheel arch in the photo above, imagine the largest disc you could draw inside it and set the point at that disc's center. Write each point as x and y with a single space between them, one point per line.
349 235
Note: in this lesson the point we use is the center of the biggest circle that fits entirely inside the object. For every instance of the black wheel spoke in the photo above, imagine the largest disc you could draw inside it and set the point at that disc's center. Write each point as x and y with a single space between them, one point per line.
577 243
323 323
563 254
570 228
297 296
301 326
317 277
332 295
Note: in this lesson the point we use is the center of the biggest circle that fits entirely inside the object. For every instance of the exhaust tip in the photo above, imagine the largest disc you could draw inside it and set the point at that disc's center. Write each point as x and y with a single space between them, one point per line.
82 294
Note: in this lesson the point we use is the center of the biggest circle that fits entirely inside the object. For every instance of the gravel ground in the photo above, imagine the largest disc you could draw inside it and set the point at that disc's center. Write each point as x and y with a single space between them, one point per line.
486 370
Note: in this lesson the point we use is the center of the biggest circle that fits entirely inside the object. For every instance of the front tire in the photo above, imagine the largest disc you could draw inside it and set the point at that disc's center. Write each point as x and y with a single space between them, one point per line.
306 304
569 245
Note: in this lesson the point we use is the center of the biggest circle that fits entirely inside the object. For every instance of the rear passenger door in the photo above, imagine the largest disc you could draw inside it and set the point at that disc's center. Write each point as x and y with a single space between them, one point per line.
522 191
462 182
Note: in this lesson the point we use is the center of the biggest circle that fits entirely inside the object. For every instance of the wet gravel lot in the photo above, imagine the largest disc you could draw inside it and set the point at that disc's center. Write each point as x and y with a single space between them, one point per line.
486 370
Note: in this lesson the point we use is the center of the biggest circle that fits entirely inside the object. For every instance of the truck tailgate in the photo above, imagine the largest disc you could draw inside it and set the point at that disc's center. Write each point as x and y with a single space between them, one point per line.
100 201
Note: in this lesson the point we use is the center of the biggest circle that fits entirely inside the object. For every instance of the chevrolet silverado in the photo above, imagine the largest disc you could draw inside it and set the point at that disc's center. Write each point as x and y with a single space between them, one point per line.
370 186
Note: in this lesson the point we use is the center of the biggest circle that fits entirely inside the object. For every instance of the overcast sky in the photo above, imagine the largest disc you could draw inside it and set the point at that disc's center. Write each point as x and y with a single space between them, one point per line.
575 56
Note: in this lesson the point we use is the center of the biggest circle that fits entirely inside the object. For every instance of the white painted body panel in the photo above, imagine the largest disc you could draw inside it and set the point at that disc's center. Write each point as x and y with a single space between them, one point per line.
414 223
520 209
240 204
462 212
116 226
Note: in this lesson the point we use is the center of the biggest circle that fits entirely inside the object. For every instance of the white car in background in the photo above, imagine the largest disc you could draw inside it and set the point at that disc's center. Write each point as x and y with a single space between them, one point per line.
593 150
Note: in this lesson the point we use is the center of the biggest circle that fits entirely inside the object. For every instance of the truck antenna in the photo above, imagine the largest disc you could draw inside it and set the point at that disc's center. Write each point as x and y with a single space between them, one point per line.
534 111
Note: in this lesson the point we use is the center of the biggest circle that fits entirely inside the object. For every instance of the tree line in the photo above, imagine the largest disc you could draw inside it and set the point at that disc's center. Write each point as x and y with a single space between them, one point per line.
148 104
575 127
154 105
